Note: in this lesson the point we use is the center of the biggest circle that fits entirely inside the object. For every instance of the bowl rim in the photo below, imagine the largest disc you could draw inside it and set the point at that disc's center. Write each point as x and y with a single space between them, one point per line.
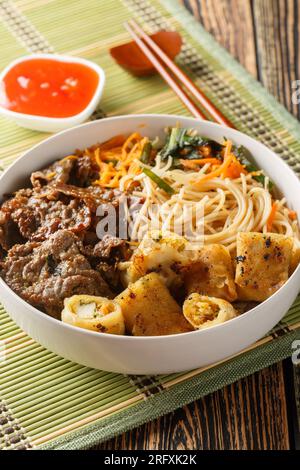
172 337
32 118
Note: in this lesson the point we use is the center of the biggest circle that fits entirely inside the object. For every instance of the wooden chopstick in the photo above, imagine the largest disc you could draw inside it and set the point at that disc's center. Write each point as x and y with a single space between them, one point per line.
133 28
190 105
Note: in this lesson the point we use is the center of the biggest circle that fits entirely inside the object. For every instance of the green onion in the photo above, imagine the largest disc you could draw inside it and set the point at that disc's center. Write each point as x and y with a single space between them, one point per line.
180 139
171 145
146 153
159 181
244 157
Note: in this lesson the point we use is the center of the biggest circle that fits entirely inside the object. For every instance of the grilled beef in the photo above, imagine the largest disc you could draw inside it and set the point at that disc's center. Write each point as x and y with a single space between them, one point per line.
45 273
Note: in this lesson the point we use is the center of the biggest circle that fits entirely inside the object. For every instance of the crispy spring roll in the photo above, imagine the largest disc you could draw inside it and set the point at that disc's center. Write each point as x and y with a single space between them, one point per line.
94 313
263 262
211 273
150 310
202 311
161 252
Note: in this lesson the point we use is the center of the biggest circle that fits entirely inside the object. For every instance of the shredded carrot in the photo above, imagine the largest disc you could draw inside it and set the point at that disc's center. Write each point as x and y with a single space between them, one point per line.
129 144
201 161
228 158
117 158
117 141
110 155
292 215
234 169
120 156
271 217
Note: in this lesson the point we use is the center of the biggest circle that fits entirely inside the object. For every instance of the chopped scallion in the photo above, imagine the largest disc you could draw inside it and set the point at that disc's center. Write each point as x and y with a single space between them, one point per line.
159 181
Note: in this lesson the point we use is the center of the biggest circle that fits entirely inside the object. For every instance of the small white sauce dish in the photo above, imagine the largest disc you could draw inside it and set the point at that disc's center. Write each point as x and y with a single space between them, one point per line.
51 124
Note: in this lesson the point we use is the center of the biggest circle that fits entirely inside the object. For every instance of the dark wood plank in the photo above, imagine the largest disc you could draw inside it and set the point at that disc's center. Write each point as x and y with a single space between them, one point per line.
249 414
263 35
277 38
231 23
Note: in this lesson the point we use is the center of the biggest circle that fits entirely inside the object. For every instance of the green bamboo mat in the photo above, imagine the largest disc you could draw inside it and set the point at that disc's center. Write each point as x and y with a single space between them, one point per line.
47 402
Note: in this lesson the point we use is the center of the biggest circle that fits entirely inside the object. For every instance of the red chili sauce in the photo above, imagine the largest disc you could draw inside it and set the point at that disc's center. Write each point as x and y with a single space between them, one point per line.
48 87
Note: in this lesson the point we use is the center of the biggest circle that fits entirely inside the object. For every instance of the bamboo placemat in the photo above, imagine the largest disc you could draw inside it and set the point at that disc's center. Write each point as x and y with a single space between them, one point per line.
46 401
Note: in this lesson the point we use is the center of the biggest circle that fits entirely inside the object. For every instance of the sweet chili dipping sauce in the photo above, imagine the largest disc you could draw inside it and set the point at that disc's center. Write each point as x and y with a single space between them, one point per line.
48 87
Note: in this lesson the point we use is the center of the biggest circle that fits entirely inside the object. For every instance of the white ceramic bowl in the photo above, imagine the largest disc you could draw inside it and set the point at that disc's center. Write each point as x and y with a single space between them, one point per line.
159 354
51 124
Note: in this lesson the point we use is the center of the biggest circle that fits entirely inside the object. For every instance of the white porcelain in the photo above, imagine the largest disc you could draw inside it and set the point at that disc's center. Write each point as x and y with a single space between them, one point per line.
160 354
51 124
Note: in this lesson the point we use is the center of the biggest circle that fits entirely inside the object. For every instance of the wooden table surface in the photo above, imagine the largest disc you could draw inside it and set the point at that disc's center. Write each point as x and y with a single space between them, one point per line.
258 412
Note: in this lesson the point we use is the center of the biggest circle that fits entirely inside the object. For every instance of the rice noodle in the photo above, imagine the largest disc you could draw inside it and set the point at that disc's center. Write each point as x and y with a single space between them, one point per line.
229 206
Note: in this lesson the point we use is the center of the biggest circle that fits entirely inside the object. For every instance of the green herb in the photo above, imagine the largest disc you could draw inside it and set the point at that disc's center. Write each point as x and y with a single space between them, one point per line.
244 157
146 153
159 181
181 143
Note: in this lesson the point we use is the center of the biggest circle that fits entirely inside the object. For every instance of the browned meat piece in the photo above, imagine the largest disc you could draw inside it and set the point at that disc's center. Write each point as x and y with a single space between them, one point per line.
45 273
54 215
85 172
58 172
10 232
35 214
109 246
105 256
80 171
93 196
